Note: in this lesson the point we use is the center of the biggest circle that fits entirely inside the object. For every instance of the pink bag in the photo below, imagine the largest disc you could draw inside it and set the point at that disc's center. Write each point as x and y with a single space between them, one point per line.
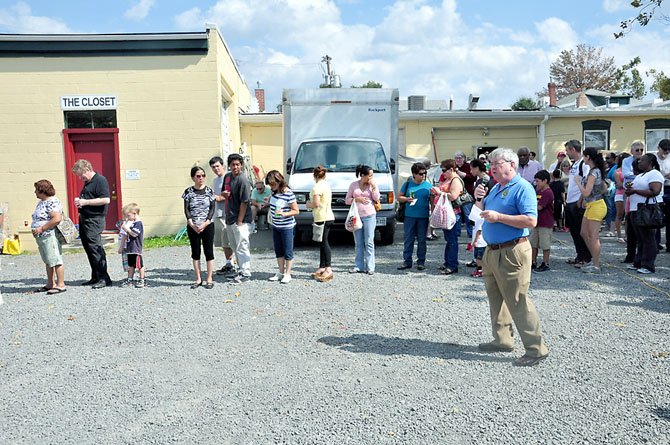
443 216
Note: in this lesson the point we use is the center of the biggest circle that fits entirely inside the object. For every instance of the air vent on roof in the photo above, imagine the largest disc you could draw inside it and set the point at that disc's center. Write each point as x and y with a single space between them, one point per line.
416 103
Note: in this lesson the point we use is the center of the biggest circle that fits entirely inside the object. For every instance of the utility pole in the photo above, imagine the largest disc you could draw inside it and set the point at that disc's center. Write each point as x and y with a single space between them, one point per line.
332 80
327 59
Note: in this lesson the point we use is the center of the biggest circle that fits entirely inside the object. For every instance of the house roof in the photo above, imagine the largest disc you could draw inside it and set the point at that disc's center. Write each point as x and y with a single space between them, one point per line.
596 98
77 45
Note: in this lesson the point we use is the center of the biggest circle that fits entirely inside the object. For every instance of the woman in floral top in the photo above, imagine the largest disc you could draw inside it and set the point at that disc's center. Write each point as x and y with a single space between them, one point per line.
46 216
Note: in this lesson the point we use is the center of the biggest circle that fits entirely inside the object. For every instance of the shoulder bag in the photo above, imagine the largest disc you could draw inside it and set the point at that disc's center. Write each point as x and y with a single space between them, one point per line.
649 215
66 231
400 212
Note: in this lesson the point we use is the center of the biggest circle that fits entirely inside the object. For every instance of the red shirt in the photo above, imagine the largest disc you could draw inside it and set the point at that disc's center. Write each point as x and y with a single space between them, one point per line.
545 217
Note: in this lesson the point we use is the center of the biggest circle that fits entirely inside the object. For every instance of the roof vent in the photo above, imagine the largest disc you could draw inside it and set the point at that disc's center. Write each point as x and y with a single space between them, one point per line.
416 103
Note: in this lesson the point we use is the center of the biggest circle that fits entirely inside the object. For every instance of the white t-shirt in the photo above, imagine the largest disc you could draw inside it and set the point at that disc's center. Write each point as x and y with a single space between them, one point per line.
573 191
665 167
641 182
479 222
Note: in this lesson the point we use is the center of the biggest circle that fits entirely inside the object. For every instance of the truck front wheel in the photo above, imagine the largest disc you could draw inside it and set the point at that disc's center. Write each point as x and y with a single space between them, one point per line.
386 235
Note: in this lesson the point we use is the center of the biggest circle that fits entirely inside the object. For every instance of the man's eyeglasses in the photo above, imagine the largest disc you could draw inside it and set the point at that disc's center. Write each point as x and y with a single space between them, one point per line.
499 163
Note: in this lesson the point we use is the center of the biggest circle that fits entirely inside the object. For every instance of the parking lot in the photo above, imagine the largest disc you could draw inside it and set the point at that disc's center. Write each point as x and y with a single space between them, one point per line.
389 358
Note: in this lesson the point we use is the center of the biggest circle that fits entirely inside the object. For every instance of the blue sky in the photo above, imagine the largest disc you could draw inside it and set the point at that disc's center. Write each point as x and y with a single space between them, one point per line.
500 50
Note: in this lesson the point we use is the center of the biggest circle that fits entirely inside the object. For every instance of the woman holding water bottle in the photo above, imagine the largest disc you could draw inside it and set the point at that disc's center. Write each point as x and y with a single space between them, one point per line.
416 195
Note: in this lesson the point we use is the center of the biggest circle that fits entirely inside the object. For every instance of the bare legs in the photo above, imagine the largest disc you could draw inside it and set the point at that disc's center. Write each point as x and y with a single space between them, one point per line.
591 234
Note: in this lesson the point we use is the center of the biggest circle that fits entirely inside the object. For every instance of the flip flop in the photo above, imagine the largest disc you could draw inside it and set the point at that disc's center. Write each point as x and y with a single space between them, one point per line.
43 289
56 290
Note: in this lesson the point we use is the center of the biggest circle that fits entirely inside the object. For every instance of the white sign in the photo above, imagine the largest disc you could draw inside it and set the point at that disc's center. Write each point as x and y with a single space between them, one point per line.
132 175
90 102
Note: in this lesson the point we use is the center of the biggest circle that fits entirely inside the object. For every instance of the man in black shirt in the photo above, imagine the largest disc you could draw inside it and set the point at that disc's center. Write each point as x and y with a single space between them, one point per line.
92 204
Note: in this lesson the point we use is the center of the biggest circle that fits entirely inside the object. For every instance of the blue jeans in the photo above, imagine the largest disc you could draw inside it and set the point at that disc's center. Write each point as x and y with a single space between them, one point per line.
611 211
415 228
283 242
469 225
451 248
365 244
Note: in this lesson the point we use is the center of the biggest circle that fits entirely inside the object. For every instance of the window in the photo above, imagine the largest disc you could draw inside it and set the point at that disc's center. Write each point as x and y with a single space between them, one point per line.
90 119
340 156
655 131
596 139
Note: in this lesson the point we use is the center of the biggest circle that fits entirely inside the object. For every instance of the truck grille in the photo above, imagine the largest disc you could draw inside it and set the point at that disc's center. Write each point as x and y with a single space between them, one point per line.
338 201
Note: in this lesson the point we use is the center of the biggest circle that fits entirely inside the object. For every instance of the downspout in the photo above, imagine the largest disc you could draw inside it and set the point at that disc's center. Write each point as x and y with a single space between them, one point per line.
540 139
432 137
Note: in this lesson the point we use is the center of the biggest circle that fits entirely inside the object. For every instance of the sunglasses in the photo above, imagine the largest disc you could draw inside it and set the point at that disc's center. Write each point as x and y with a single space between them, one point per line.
638 150
422 173
200 176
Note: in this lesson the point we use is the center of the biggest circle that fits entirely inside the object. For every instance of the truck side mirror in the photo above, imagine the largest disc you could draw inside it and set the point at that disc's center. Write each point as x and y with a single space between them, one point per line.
289 164
392 165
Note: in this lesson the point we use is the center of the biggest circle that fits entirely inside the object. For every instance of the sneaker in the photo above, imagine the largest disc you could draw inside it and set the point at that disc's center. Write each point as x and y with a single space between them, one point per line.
276 277
609 235
632 267
239 278
472 263
621 240
533 266
354 270
285 279
253 228
225 269
476 274
128 282
370 272
140 283
644 270
542 268
469 247
590 268
583 265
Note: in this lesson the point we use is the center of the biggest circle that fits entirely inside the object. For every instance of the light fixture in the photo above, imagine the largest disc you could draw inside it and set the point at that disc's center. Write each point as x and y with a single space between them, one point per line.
485 131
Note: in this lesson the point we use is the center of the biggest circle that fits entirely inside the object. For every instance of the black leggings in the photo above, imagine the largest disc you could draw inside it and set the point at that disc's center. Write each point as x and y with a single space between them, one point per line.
207 239
324 246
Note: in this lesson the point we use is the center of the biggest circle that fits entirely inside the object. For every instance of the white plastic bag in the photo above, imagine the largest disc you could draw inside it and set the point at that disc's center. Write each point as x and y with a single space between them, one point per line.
443 216
353 221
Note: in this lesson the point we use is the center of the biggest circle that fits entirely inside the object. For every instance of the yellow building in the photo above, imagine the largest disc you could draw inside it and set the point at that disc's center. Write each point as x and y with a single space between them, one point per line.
437 135
143 108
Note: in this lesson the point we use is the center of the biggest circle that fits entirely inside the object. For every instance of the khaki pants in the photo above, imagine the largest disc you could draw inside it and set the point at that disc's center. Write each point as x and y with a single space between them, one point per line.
506 275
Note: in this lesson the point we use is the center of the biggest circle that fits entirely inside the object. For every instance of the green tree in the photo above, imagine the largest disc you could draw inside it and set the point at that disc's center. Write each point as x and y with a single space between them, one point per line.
647 10
524 103
369 84
582 68
630 81
661 84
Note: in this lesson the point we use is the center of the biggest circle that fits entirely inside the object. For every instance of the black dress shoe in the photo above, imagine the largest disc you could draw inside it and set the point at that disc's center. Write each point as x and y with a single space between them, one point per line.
90 282
101 284
405 266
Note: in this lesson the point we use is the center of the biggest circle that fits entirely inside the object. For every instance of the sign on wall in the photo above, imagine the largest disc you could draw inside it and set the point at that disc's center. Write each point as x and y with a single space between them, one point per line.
89 102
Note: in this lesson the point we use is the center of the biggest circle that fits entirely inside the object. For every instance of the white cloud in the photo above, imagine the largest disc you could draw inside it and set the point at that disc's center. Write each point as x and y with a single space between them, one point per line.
615 5
19 19
190 19
139 11
557 32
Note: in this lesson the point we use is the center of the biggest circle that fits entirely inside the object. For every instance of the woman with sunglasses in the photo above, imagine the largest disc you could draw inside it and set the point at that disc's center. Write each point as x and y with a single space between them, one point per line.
416 194
454 187
199 203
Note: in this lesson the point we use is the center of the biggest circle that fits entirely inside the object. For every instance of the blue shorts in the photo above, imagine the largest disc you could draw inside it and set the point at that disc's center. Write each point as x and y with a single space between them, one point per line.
479 252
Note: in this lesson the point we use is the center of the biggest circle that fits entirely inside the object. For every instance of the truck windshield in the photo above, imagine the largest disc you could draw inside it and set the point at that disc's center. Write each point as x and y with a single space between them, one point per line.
340 156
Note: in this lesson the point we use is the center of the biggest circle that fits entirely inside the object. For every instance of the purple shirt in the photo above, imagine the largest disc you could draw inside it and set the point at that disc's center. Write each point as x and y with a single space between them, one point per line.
545 217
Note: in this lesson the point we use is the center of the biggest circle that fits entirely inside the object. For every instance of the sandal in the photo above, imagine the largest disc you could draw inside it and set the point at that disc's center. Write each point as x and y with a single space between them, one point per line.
56 290
43 289
209 285
325 278
196 285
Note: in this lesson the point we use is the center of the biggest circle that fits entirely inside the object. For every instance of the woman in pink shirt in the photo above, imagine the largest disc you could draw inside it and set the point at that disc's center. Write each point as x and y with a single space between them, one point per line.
365 193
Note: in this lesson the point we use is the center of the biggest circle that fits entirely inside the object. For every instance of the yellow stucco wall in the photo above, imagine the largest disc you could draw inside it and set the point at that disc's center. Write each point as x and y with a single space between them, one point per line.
265 146
168 117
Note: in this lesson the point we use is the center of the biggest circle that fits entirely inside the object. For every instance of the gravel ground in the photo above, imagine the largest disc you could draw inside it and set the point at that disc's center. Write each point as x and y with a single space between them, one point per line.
387 359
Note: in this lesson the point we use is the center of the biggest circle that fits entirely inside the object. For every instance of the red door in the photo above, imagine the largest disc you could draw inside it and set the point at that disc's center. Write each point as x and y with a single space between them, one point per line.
101 148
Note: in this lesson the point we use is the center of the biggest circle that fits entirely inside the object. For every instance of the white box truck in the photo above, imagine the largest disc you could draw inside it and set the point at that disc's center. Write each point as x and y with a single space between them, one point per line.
340 128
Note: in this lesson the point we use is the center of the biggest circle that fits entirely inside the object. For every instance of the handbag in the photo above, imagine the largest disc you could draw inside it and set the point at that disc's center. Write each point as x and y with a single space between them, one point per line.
353 221
12 246
378 206
400 212
317 232
464 198
649 215
443 216
66 231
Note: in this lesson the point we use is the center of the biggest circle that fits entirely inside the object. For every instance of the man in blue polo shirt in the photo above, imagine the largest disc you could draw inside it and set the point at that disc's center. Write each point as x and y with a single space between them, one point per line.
509 211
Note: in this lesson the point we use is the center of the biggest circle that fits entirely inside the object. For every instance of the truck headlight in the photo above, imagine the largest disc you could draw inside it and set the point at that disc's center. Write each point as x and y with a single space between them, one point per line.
386 198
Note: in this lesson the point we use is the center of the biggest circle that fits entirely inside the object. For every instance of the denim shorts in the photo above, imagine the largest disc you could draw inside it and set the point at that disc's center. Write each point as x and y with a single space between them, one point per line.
283 242
479 252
